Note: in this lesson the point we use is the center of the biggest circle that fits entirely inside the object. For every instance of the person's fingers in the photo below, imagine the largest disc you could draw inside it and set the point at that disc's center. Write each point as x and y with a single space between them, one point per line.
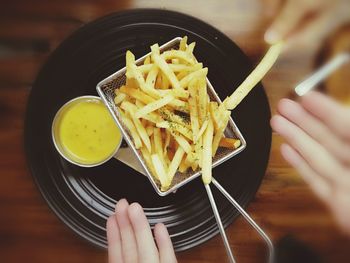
165 247
114 241
318 184
334 115
129 246
285 23
315 154
340 207
313 31
271 7
295 113
145 243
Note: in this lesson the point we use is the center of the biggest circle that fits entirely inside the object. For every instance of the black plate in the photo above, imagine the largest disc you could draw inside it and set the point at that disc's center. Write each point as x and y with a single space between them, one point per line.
83 197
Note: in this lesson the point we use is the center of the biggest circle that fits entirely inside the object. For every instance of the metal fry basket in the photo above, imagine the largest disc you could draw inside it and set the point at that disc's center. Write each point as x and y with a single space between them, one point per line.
106 89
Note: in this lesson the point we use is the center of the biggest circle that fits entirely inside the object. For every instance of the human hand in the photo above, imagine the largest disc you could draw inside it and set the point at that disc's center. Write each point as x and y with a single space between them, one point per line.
130 237
303 21
317 132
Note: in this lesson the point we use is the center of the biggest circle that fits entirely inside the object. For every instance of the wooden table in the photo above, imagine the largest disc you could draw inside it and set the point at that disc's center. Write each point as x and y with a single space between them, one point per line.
29 231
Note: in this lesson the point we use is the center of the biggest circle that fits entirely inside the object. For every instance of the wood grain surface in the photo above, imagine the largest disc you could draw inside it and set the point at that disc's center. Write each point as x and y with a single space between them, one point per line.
29 231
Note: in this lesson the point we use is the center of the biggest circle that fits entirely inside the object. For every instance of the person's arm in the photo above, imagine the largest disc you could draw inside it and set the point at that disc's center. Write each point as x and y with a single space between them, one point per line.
130 238
302 21
317 134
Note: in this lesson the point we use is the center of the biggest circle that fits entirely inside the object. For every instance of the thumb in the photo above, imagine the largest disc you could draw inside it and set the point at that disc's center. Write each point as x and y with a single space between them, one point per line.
286 22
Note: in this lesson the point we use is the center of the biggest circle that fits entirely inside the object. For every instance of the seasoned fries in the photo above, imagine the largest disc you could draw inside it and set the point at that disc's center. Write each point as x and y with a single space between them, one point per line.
166 108
207 153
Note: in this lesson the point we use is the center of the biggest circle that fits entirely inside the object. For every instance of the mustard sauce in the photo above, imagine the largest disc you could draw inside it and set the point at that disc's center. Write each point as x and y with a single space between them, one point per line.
86 132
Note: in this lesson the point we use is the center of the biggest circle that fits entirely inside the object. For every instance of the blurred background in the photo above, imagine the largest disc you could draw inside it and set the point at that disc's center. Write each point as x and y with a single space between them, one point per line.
284 206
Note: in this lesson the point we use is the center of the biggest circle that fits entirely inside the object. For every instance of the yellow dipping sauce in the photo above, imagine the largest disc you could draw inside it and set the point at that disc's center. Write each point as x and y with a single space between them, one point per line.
86 132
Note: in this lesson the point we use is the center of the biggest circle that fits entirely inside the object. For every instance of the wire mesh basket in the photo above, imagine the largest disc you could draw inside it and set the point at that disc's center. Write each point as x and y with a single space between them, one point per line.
106 89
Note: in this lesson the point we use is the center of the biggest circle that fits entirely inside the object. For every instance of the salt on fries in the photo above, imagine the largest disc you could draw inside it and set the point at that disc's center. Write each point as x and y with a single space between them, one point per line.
166 108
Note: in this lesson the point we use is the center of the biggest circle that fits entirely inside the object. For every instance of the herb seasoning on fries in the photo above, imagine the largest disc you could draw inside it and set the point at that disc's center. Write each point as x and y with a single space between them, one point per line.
166 108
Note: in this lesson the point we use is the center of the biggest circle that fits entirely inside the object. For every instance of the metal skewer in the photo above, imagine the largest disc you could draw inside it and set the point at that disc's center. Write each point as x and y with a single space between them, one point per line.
243 213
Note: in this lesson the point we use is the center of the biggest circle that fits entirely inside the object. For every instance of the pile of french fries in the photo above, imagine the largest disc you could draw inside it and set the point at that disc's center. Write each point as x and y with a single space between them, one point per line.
166 108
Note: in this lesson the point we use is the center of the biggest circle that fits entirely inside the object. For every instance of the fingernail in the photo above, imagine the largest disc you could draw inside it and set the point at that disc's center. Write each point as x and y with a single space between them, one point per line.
135 210
271 36
123 200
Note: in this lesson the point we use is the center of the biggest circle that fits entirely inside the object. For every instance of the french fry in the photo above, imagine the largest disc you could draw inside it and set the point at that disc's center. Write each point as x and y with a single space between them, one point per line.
133 72
175 162
193 75
181 75
192 160
164 67
213 107
184 144
179 105
128 107
199 150
131 109
194 166
137 94
167 141
147 61
132 129
176 93
220 132
202 129
182 55
254 77
153 106
183 43
229 143
207 153
145 68
119 97
176 127
160 171
190 48
202 100
142 133
151 117
139 104
185 68
165 82
183 167
147 157
158 84
131 83
151 77
167 160
192 101
170 116
158 147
